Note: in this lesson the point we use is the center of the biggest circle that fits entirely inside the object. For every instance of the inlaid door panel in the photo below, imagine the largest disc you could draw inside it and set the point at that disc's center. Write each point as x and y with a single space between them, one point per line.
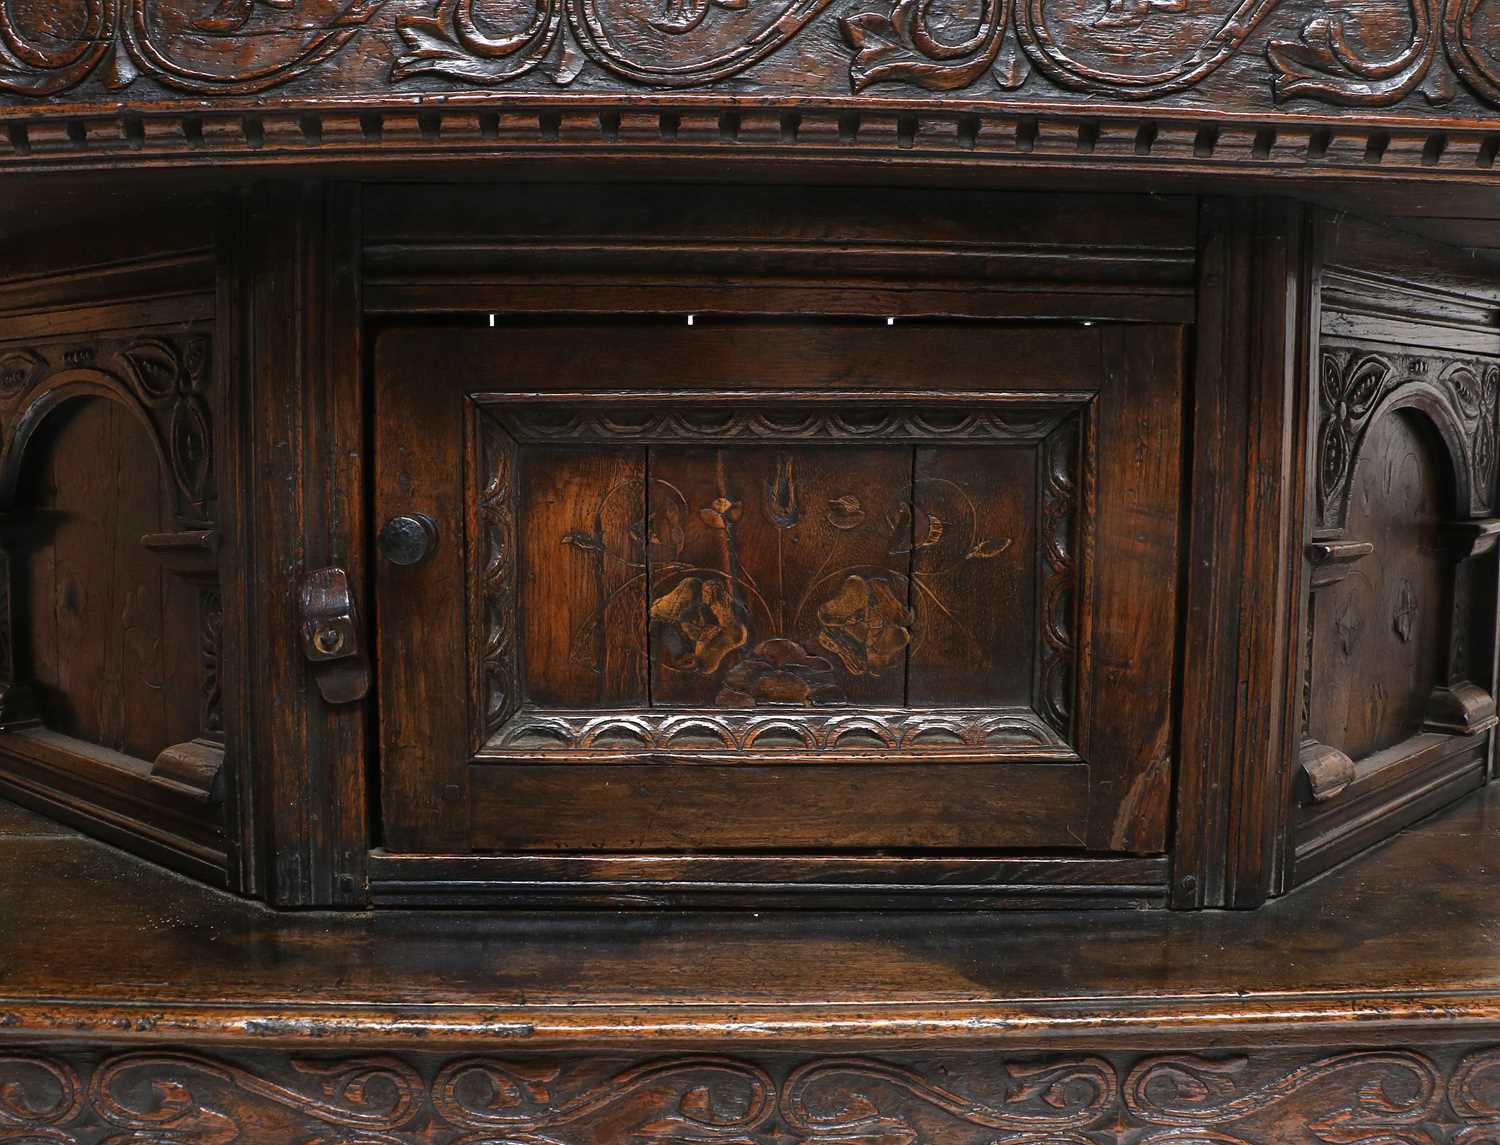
780 588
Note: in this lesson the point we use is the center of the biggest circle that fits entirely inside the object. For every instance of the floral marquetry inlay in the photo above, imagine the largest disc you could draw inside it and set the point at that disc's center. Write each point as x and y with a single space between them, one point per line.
907 571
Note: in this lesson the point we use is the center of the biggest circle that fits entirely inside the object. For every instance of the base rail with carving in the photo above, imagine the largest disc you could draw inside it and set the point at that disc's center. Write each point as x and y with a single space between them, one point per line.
1443 1095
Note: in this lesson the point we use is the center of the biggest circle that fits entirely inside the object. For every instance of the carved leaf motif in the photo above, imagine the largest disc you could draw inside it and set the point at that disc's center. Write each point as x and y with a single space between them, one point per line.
569 61
1467 388
1403 620
1326 61
154 368
192 448
1012 68
1362 385
901 47
1484 458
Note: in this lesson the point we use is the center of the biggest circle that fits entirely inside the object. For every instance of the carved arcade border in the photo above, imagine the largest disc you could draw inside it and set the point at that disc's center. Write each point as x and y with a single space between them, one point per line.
531 732
776 418
1437 1097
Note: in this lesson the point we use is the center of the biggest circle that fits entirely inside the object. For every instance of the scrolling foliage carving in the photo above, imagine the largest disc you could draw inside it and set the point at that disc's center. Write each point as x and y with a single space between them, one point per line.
1459 395
239 47
1444 1097
1131 50
914 42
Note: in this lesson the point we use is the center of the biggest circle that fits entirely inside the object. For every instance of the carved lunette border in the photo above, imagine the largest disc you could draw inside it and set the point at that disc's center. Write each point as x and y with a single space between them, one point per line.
1439 1096
1357 384
503 421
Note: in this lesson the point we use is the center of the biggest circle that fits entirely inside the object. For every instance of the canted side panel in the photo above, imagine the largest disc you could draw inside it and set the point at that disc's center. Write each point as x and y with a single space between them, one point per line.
1399 659
112 698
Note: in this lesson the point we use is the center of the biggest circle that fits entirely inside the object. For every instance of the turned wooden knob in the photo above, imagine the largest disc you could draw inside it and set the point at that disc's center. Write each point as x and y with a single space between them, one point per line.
408 539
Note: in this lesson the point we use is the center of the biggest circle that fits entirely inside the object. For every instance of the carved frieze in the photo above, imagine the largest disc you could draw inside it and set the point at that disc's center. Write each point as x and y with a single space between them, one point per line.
1438 1097
1424 56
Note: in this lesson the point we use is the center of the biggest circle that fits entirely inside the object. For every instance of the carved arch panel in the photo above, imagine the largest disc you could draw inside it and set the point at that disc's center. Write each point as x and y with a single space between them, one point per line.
1399 658
111 643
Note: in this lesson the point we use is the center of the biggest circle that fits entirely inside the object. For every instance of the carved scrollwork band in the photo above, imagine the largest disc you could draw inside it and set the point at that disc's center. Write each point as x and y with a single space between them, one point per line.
1118 49
1440 1098
232 49
1458 395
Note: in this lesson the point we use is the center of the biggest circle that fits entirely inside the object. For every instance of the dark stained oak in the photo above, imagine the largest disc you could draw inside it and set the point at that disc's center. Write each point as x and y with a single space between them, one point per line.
1385 951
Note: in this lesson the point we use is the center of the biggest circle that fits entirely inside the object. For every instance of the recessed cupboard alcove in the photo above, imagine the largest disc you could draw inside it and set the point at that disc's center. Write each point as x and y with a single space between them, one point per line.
489 544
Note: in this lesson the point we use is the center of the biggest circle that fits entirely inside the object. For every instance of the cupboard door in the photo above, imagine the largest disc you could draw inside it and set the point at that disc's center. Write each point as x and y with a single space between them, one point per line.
795 588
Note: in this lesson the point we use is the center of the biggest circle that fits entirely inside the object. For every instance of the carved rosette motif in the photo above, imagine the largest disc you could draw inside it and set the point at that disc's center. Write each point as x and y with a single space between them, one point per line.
1369 1096
1459 396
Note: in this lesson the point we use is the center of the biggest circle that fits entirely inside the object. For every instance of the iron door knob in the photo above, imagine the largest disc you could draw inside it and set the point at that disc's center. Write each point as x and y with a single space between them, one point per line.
408 539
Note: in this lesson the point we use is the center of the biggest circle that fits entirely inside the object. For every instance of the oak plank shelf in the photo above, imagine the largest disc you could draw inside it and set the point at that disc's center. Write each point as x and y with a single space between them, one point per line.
1371 995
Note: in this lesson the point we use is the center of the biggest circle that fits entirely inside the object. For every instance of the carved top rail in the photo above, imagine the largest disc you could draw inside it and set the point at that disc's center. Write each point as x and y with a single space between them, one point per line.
1353 88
